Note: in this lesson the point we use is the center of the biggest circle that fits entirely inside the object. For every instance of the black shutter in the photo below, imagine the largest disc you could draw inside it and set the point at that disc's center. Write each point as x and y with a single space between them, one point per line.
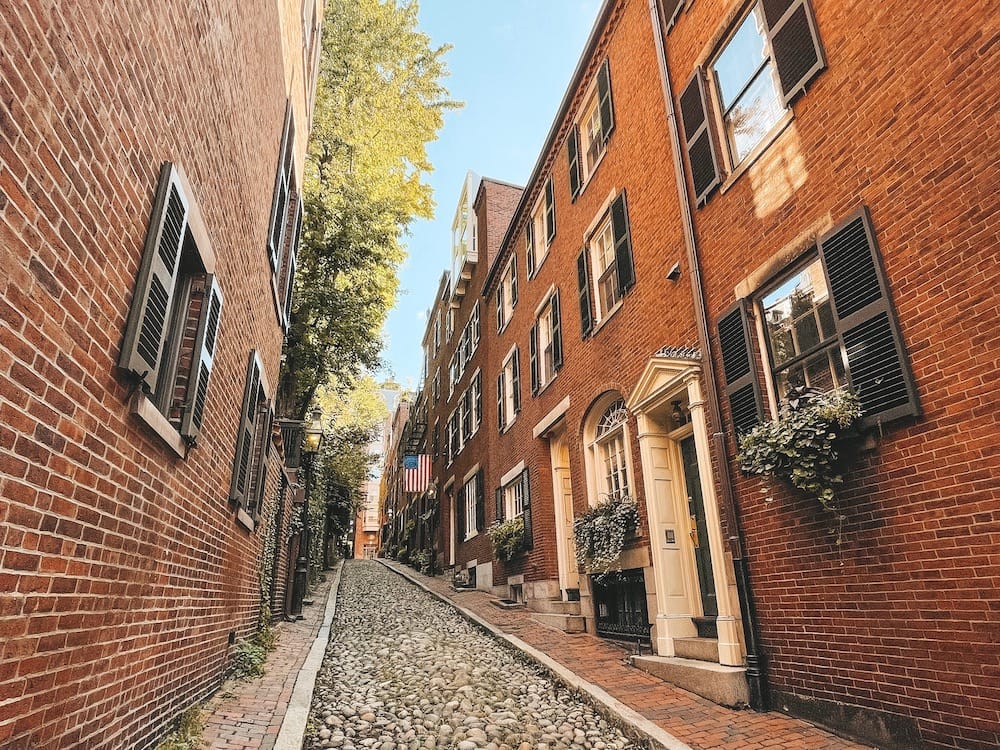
279 203
262 442
529 248
573 150
533 357
201 366
477 416
671 11
623 244
513 281
145 331
698 138
745 406
501 418
500 305
876 357
529 540
604 100
480 502
499 503
245 434
459 501
291 264
557 358
550 212
516 381
798 54
583 285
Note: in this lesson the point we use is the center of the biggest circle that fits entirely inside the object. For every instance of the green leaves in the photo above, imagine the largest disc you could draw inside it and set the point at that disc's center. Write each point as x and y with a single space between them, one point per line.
803 445
507 538
600 533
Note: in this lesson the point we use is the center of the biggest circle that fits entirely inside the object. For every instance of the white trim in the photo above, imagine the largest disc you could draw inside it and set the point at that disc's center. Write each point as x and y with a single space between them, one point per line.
546 298
469 474
513 474
195 223
546 422
599 216
146 410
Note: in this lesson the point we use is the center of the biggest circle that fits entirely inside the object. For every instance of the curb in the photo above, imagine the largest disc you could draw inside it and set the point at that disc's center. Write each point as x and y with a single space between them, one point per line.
659 739
292 733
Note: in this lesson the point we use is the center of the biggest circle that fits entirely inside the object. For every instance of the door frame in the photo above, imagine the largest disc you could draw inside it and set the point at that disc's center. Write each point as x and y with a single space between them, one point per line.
562 501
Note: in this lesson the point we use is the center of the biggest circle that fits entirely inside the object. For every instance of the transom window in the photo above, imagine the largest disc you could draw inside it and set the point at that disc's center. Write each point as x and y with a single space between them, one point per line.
746 84
801 333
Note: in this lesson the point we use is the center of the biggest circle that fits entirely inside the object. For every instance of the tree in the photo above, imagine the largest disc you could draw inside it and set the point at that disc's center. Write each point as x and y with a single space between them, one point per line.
379 102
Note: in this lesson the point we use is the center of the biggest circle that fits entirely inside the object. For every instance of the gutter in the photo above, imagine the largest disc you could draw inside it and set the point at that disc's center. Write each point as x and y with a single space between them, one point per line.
756 673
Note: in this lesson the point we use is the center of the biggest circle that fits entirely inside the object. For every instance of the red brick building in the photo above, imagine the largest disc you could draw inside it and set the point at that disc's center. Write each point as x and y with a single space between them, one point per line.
734 199
149 215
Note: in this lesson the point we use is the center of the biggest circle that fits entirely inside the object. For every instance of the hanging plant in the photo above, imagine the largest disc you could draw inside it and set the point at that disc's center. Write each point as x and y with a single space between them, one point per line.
600 533
804 444
507 538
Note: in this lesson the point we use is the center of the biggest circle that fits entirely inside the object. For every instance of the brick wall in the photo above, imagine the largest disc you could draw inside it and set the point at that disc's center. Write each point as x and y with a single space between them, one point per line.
122 567
899 620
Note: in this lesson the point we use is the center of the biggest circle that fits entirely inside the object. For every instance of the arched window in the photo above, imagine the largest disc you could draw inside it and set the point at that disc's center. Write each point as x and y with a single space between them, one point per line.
608 452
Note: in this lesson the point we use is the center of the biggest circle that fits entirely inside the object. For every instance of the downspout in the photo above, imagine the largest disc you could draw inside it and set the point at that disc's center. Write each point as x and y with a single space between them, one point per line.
756 677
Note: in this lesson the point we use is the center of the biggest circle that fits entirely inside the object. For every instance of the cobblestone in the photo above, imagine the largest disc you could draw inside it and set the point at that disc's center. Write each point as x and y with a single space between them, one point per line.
406 672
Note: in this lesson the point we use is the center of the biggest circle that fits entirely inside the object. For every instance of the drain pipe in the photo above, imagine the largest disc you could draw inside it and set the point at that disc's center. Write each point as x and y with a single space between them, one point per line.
756 677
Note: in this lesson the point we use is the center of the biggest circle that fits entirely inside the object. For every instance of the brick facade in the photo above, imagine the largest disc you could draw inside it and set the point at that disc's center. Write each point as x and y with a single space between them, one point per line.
124 567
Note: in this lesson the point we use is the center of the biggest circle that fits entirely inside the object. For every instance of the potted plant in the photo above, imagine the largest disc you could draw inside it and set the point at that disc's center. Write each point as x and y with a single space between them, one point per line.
804 445
602 532
507 538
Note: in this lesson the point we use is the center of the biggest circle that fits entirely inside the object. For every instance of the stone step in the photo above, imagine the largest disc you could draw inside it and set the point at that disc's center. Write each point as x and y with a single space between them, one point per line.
702 649
566 623
724 685
554 606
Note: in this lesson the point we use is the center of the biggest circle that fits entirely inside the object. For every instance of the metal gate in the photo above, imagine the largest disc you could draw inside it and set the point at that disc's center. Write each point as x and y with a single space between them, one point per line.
620 605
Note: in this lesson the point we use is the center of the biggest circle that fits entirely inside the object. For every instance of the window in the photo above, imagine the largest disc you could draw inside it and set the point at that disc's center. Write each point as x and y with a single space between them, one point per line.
477 402
286 223
449 323
609 253
827 324
770 58
607 438
509 391
466 348
473 510
546 344
253 442
435 442
437 333
436 386
173 323
507 294
541 229
588 137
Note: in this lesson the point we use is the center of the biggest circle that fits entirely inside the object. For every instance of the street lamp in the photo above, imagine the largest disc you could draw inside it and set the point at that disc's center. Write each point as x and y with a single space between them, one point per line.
310 447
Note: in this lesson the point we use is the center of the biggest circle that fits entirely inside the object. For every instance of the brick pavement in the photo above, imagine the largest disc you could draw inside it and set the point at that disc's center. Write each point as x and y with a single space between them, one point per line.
247 715
690 718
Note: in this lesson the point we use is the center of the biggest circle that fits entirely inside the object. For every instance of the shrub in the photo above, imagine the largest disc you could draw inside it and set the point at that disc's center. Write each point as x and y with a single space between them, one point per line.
507 538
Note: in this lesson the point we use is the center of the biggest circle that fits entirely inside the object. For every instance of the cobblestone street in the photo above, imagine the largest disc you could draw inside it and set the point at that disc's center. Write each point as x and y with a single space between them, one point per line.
404 671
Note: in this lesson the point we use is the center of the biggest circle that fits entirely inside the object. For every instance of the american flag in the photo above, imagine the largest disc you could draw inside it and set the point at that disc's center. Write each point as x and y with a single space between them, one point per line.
416 473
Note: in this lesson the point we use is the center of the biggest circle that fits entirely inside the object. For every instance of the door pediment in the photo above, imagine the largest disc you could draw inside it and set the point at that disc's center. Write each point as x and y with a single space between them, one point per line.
663 376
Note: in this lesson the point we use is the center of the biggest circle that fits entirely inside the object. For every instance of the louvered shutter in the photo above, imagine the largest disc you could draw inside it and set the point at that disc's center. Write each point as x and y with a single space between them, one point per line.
145 332
583 286
557 357
745 406
876 357
573 151
201 366
604 100
698 138
245 433
513 282
477 417
550 212
480 502
460 515
623 244
516 381
501 417
290 265
500 305
499 503
533 357
671 11
279 203
265 420
529 248
798 54
529 540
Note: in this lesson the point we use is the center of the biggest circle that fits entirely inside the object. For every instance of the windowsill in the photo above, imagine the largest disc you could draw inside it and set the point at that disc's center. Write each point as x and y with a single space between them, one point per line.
543 388
146 411
603 321
761 147
245 519
506 427
540 262
471 536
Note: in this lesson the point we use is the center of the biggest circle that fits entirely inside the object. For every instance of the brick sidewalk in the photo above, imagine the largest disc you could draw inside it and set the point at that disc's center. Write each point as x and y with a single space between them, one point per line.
690 718
247 715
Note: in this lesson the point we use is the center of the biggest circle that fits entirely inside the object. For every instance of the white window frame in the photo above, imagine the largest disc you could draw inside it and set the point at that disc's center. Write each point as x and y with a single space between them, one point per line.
545 328
596 451
510 414
469 498
539 235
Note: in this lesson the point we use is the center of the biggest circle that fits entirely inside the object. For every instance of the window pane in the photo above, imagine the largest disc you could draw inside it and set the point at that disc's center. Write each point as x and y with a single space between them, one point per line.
823 371
754 114
794 312
740 59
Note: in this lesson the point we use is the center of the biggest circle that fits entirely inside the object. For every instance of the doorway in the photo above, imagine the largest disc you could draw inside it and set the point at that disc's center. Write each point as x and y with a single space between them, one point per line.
562 494
699 528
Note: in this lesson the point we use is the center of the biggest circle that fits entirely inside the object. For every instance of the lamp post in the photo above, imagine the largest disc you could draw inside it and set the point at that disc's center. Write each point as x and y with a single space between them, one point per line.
310 447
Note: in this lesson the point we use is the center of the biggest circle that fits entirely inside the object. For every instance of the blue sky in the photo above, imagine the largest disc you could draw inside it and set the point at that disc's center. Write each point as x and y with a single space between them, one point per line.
511 63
